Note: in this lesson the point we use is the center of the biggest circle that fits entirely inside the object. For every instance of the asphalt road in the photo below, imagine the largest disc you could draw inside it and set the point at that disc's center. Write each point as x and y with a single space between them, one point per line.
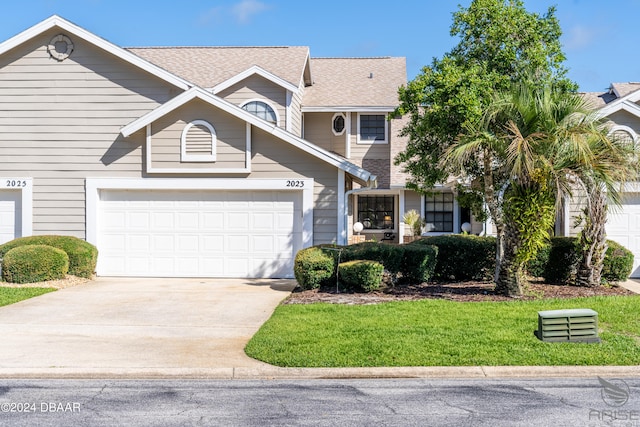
471 402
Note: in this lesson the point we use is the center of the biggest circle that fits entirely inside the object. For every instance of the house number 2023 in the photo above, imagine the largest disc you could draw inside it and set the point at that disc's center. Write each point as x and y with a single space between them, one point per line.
295 183
15 183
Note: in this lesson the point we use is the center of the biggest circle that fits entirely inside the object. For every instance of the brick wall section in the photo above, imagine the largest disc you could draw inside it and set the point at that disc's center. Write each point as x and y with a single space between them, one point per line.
379 167
398 144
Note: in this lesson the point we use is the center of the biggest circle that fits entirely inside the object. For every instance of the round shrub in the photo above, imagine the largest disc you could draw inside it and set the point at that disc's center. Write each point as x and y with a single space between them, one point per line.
361 275
618 263
82 255
313 267
462 257
34 263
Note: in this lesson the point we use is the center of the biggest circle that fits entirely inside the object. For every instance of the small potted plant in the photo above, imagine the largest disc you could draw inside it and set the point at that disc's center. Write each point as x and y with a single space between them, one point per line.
415 223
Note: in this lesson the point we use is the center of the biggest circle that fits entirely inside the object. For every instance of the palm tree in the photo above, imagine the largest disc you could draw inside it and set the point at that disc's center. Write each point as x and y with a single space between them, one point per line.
543 142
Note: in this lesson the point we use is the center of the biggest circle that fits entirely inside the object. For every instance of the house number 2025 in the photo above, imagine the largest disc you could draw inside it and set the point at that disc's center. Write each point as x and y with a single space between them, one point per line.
15 183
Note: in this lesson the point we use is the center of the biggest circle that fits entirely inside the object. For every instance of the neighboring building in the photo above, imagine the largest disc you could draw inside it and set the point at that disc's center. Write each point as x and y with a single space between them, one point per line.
621 106
201 161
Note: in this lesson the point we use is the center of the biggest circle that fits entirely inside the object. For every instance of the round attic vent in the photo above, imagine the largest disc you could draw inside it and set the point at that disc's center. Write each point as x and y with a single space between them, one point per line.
60 47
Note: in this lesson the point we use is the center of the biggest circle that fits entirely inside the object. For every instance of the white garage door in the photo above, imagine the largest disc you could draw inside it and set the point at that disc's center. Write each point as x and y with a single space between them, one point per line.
623 226
10 215
176 233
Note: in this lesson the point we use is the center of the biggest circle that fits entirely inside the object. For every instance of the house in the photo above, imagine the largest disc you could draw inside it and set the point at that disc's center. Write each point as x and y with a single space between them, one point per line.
200 161
620 106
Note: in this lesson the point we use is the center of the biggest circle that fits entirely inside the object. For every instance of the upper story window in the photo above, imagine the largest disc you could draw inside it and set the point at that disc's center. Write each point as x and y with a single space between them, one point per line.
263 110
438 212
338 124
376 212
372 129
198 142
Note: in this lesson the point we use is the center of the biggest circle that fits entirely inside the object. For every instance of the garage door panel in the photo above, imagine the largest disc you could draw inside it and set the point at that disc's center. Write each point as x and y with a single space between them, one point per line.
10 215
623 226
199 233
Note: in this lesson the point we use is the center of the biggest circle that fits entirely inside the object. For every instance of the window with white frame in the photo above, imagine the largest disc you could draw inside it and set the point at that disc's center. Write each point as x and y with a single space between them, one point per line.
262 110
438 212
372 129
338 124
198 142
376 212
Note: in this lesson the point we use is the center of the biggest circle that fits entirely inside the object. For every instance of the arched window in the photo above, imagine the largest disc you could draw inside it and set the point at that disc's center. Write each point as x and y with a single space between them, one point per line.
198 143
263 110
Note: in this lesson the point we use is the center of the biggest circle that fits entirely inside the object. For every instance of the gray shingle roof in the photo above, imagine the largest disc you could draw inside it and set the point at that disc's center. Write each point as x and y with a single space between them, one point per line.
344 82
210 66
600 99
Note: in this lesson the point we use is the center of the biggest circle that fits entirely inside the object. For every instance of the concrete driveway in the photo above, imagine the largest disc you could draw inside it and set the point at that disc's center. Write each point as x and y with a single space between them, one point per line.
120 326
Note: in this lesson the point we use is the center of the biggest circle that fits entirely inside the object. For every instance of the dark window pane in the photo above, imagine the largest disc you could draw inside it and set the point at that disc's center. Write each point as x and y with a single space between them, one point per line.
376 212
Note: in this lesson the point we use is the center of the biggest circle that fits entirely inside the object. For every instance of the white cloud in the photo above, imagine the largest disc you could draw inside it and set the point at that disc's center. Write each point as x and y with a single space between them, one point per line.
244 11
211 15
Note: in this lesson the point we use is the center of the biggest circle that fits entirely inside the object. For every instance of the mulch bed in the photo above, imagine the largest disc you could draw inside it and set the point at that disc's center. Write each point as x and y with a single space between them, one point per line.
459 291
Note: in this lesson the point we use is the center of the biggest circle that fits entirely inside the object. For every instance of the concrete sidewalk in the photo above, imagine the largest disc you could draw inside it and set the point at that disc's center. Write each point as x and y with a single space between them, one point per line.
185 328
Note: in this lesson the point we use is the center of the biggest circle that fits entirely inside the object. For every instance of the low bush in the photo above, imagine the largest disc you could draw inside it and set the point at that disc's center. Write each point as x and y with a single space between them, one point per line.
558 261
83 256
419 263
361 275
618 263
561 264
314 267
34 263
390 256
462 257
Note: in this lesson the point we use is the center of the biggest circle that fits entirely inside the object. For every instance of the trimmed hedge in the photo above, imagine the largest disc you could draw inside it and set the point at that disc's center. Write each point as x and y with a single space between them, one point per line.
361 275
557 262
34 263
419 263
313 268
390 256
462 257
83 256
317 266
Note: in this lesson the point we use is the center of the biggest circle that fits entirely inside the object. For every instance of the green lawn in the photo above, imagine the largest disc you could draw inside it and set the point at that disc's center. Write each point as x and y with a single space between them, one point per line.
12 295
442 333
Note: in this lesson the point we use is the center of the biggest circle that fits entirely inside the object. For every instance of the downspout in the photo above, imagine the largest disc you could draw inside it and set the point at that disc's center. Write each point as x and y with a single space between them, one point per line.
372 184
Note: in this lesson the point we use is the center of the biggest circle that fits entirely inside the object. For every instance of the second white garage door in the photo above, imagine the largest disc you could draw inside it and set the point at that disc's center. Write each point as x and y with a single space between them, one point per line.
205 233
623 226
10 215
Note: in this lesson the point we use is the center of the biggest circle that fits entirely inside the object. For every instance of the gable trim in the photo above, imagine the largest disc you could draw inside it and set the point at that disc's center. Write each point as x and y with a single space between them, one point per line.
628 103
238 112
250 72
56 21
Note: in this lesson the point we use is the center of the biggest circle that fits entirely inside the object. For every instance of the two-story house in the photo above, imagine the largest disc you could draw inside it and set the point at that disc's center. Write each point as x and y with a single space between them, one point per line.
201 161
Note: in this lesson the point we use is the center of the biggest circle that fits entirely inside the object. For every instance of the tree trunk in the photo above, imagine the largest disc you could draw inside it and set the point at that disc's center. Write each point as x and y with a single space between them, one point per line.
593 240
509 274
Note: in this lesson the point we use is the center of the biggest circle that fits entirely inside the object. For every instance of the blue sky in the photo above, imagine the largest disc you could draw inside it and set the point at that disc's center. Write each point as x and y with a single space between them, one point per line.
599 38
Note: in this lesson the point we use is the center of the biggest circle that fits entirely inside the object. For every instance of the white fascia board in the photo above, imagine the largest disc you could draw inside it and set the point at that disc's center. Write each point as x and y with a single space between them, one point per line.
350 109
56 21
234 110
248 73
619 104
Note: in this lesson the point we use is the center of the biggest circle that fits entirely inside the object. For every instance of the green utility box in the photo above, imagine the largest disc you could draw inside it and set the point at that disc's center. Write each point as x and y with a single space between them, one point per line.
574 325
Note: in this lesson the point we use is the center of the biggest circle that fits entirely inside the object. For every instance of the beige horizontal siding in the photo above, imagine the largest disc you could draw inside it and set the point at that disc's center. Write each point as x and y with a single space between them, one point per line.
258 88
60 123
167 134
